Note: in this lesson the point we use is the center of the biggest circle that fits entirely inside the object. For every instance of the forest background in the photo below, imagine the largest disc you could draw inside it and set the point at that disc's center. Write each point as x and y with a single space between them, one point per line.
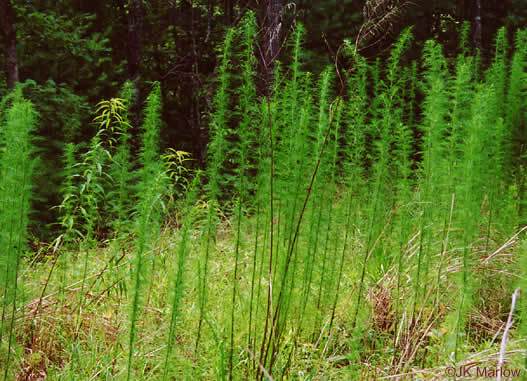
73 54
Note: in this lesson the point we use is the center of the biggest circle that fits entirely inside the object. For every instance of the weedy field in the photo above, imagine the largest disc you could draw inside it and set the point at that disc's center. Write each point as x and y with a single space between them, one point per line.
364 223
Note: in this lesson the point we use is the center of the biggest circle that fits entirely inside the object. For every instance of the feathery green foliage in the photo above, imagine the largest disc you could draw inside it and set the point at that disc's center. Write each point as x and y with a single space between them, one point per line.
16 168
217 150
121 171
152 188
177 279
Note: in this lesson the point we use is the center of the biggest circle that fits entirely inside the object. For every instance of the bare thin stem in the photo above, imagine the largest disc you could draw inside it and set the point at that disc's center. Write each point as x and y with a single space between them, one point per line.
504 340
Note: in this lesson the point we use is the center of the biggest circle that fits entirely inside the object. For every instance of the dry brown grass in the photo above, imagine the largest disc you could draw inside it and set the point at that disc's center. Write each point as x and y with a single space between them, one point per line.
46 328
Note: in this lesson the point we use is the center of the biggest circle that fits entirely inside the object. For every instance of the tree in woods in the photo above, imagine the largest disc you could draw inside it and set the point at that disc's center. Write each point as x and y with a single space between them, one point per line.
477 26
8 30
135 36
192 35
229 12
271 26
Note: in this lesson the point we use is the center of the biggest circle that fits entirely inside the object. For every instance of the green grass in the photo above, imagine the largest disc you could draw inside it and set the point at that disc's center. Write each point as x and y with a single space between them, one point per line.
100 347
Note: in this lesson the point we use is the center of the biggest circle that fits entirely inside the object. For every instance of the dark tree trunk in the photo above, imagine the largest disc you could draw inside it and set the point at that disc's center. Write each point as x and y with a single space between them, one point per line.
467 10
190 45
196 88
6 24
478 39
135 36
229 16
271 41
